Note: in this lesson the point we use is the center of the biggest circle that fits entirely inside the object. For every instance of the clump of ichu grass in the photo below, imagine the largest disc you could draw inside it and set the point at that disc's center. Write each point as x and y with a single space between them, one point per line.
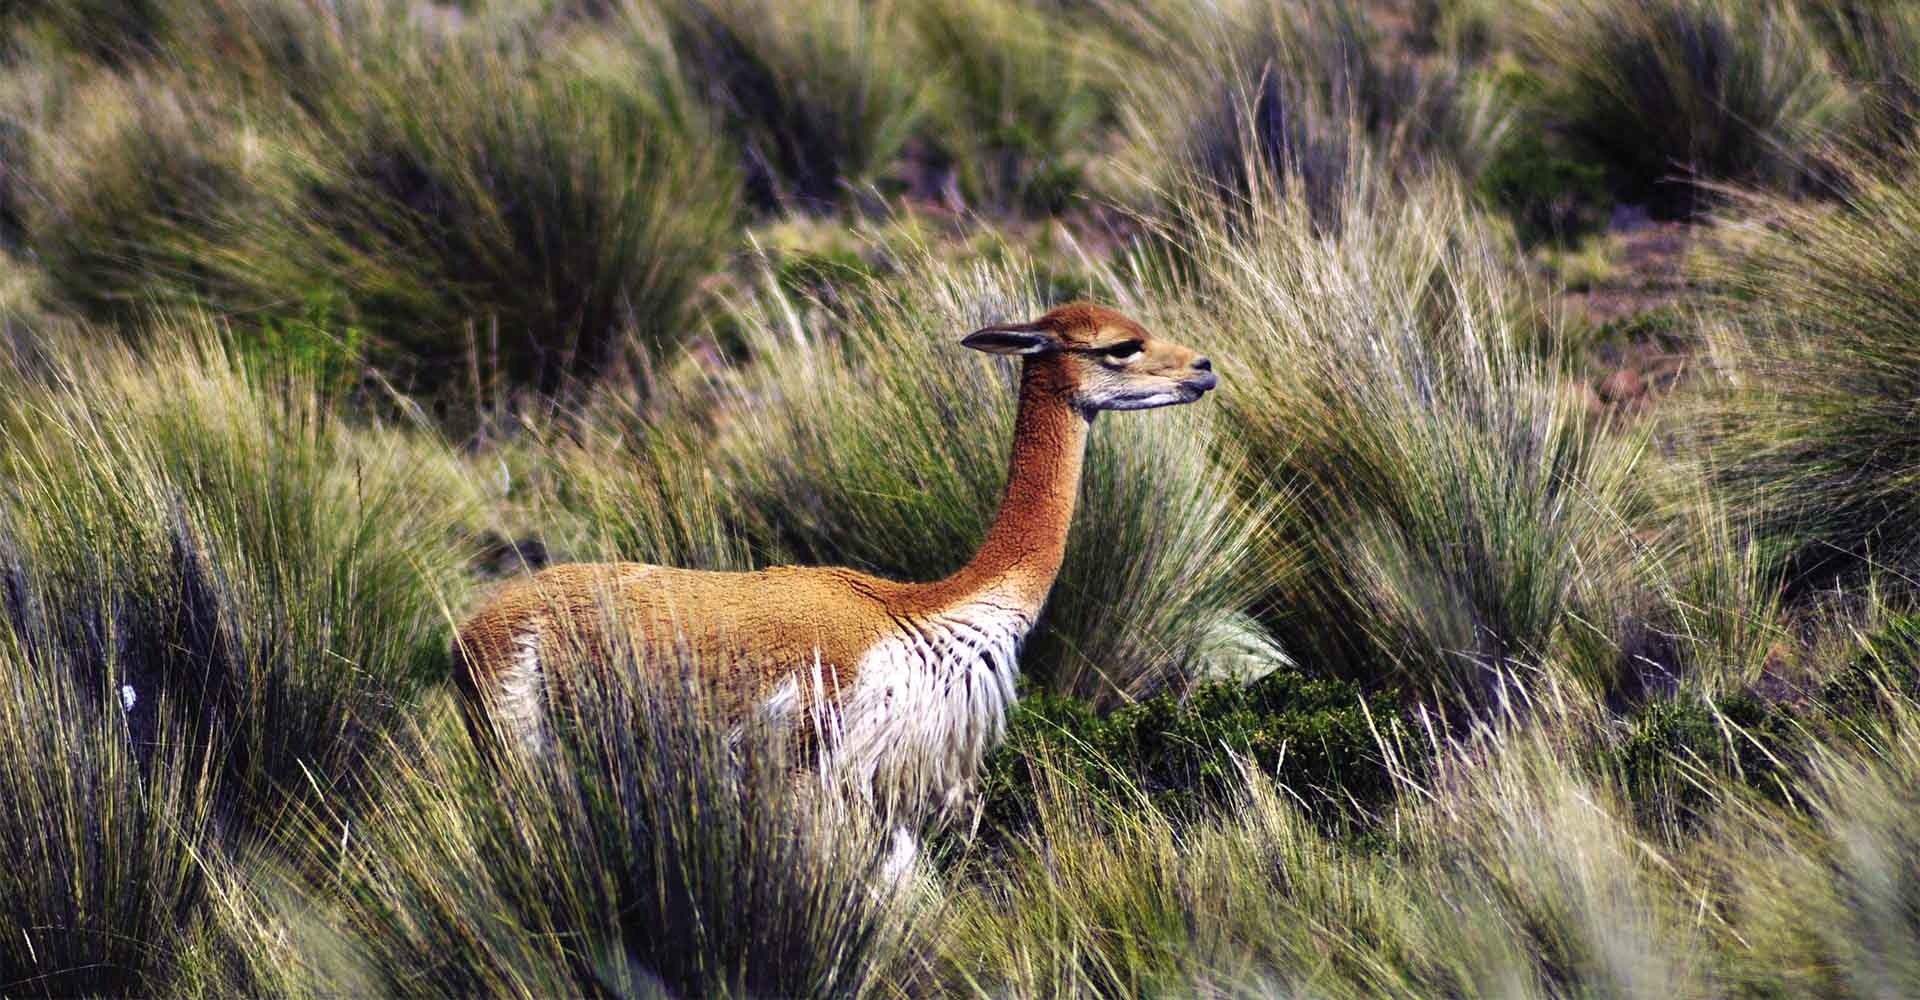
110 30
1669 93
1714 608
652 854
1023 95
818 95
216 596
293 607
1453 515
127 181
1262 93
413 195
103 891
1812 431
1876 47
563 215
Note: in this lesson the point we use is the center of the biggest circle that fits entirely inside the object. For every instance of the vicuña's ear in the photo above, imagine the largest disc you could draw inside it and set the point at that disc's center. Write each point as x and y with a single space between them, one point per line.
1013 338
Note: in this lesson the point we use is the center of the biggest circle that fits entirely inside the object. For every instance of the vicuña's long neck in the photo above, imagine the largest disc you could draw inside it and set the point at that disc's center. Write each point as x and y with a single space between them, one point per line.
1017 563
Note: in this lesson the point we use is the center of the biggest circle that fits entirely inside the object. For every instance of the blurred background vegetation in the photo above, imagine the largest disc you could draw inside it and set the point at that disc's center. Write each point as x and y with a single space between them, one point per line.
1533 611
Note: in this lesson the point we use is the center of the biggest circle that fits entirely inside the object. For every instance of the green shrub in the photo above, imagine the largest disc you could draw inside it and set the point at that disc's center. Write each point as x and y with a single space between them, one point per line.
1549 194
1811 431
1679 757
1886 671
1318 738
1668 93
1504 871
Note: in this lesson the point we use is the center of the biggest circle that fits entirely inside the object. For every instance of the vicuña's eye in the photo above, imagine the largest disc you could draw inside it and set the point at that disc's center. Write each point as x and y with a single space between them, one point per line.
1123 350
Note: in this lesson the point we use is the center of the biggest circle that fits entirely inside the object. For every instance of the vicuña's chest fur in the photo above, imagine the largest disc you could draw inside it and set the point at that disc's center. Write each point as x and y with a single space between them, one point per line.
926 705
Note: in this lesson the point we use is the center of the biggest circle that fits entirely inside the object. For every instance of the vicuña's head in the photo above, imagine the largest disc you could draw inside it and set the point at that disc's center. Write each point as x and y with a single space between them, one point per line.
1103 360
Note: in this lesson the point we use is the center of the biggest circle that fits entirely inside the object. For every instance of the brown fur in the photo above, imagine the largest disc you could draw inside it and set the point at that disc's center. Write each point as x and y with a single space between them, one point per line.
750 631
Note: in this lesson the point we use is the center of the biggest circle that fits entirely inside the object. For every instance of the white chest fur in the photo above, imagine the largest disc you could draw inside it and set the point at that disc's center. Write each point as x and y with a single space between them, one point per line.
925 707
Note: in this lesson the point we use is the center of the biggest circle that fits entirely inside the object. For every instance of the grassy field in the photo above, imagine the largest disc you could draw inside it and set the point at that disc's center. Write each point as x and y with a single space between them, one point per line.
1534 610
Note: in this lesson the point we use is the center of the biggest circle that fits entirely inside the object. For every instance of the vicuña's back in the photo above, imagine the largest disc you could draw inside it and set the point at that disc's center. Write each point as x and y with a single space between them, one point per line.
908 683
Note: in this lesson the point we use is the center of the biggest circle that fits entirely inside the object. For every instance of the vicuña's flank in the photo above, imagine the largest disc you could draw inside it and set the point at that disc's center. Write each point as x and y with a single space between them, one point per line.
908 683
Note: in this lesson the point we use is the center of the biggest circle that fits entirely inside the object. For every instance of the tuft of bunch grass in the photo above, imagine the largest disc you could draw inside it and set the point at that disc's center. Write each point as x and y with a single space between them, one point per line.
1448 514
260 578
547 218
1256 94
214 597
1876 46
104 891
415 195
1811 432
820 95
1670 93
127 181
113 31
658 850
1023 94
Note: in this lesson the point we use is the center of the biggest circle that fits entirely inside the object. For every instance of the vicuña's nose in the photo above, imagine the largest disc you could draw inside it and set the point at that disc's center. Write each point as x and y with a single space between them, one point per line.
1203 364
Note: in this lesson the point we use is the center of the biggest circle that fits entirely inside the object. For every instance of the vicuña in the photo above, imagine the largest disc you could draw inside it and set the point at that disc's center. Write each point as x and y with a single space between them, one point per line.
906 686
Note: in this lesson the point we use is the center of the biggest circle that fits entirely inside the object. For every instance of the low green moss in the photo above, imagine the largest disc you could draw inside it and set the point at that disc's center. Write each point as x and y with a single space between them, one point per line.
1320 738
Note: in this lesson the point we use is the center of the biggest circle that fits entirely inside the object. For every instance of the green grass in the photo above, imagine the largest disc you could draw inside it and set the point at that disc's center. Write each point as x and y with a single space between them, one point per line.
1668 93
1398 666
819 96
546 206
1450 517
1815 342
